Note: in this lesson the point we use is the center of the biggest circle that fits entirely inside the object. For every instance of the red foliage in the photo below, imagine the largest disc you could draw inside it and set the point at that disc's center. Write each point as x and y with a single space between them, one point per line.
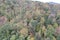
58 30
3 19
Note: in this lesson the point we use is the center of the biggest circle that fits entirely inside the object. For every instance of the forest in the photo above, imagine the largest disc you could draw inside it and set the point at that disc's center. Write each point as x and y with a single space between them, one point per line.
29 20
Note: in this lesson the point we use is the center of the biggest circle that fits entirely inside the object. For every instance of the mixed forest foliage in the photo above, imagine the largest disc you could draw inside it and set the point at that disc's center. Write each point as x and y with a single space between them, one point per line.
29 20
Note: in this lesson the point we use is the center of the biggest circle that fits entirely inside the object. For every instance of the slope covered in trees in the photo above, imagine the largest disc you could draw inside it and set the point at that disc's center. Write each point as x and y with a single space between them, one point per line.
29 20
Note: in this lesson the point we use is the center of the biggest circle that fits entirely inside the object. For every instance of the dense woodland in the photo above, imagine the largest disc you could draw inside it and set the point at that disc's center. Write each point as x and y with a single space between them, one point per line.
29 20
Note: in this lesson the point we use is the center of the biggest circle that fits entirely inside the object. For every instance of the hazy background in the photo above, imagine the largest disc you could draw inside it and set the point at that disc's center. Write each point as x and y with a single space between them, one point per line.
56 1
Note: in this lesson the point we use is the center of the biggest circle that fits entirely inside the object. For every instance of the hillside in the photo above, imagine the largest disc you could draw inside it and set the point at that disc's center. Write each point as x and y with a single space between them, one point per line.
29 20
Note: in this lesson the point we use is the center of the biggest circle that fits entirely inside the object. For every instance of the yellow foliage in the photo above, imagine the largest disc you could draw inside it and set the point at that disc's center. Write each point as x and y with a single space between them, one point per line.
32 38
24 31
54 38
43 28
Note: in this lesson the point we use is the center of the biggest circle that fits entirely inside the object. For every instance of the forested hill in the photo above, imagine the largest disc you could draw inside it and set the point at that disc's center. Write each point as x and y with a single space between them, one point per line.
29 20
